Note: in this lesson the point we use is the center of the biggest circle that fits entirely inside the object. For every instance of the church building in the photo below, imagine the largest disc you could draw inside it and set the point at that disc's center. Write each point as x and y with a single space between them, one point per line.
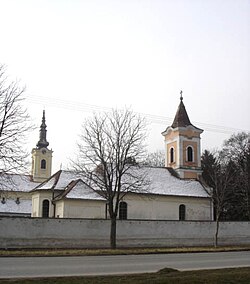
175 191
15 190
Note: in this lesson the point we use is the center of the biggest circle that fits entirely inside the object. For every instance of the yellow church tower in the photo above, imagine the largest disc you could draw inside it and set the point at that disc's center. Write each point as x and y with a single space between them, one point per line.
41 156
182 145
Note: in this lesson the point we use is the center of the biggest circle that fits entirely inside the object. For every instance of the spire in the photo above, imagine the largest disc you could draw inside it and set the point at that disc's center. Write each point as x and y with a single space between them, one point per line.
42 143
181 118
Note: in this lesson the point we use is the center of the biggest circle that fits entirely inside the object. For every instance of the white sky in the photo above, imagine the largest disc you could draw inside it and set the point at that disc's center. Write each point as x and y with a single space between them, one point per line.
139 54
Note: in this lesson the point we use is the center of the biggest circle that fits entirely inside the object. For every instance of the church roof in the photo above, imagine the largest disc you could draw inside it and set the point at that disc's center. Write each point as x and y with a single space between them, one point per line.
161 181
77 189
181 118
16 182
58 181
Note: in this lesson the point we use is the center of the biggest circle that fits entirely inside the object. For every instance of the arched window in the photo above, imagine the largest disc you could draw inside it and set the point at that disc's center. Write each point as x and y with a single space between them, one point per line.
171 155
190 154
182 212
43 164
123 211
45 212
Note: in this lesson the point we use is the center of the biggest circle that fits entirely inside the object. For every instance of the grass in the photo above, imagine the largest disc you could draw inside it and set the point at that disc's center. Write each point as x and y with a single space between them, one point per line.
81 252
166 276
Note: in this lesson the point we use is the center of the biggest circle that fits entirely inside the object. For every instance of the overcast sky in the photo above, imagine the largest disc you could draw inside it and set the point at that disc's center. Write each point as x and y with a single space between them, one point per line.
75 57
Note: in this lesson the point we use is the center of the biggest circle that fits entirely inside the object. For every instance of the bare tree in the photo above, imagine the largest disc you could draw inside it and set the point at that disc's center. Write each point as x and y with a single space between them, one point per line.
155 159
14 124
219 175
237 149
110 146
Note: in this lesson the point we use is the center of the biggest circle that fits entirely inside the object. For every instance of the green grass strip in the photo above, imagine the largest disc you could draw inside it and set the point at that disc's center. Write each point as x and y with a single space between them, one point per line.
81 252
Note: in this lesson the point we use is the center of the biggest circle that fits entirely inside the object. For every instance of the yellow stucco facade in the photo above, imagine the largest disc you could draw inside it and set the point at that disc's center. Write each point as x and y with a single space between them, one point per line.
186 162
41 164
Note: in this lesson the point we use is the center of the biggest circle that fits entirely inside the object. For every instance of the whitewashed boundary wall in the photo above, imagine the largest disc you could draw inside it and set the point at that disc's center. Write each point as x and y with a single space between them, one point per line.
18 232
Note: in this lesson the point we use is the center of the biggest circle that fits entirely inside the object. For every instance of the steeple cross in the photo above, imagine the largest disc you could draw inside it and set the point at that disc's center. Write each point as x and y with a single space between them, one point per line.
181 98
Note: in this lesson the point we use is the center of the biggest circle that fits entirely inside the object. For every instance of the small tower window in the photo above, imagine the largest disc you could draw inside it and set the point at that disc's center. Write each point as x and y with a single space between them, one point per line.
182 212
3 200
43 164
190 154
45 212
171 155
17 200
123 211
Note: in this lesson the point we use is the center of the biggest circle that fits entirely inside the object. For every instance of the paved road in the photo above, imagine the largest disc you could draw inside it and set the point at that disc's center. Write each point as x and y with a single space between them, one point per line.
14 267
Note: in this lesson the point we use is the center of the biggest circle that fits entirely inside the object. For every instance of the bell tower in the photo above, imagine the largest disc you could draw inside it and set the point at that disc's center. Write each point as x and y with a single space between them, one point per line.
41 156
182 145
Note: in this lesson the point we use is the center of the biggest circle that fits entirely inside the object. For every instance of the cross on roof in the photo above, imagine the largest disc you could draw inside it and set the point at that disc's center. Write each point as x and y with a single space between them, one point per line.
181 98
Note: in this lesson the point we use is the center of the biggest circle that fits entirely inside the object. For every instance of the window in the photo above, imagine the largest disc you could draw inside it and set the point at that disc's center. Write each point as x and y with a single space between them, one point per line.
123 211
189 154
45 212
3 200
17 200
43 164
171 155
182 212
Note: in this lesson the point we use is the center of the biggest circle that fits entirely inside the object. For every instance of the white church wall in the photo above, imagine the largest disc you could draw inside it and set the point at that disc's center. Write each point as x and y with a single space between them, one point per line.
19 205
37 203
86 233
15 202
155 207
35 206
83 209
59 209
144 207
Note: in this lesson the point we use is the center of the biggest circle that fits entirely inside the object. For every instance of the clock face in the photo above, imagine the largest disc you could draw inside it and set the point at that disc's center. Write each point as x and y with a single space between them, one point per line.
44 151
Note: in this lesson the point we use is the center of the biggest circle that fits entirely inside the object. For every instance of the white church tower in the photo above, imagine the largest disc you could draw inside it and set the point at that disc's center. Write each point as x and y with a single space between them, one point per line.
182 145
41 156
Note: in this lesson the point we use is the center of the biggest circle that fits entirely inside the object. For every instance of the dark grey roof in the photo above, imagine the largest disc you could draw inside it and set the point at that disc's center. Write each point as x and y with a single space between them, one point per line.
181 117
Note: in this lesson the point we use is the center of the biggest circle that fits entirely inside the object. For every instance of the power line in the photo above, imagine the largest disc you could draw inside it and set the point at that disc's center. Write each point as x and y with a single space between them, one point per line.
162 120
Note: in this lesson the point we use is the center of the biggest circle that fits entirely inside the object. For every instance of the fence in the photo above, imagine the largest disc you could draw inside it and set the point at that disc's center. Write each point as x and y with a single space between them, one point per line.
20 232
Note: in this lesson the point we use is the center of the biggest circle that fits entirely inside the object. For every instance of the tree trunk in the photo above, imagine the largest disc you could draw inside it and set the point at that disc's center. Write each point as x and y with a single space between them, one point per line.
113 233
248 186
216 232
